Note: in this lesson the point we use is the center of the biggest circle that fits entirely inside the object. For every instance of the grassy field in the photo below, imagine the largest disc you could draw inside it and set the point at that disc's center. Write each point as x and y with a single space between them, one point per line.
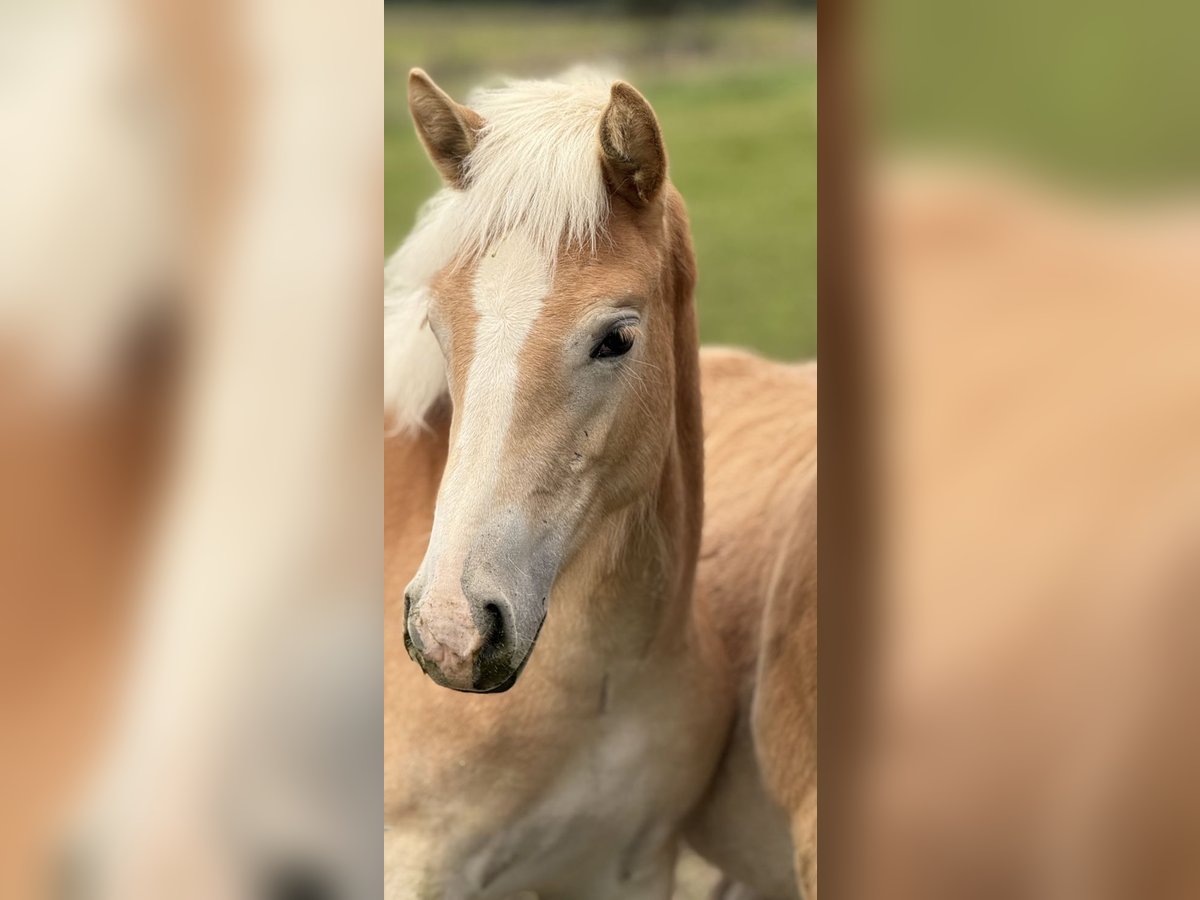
736 95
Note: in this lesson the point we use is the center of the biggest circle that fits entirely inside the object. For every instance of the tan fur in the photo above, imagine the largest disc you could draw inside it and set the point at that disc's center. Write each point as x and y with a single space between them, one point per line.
785 698
756 587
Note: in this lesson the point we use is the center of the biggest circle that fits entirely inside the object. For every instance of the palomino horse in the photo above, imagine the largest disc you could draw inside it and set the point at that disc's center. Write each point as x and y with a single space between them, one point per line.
545 485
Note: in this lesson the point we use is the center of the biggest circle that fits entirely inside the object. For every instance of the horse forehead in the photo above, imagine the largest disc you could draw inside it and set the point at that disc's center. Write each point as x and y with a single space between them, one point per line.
585 278
530 292
512 280
517 283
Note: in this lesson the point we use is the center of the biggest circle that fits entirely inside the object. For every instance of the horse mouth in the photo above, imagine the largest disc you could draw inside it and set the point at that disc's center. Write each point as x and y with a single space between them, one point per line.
492 672
508 682
484 680
496 683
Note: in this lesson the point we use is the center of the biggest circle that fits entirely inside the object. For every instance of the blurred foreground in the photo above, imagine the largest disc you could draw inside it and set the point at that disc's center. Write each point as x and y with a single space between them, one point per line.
190 649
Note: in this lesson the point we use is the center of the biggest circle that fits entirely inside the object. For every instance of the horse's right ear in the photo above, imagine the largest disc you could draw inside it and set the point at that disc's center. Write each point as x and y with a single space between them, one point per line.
448 130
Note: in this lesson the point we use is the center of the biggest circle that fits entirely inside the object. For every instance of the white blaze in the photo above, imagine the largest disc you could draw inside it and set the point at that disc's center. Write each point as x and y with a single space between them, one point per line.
511 282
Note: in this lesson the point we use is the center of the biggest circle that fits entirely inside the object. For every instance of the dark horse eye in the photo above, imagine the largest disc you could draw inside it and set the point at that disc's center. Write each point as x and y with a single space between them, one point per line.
616 343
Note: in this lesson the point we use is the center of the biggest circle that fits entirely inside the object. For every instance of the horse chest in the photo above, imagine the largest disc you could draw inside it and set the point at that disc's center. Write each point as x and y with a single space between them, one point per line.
596 820
598 828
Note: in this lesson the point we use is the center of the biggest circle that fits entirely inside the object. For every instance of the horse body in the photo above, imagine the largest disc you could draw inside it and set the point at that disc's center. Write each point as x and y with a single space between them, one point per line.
756 589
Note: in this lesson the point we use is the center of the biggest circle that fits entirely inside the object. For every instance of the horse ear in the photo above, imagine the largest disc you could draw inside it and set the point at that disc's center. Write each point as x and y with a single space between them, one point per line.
447 129
631 144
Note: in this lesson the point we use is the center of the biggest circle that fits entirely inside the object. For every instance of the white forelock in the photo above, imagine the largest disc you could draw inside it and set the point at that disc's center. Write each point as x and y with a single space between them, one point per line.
536 167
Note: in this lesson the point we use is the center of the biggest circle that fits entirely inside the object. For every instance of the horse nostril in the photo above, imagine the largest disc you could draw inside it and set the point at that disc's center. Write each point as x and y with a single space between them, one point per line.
496 664
494 630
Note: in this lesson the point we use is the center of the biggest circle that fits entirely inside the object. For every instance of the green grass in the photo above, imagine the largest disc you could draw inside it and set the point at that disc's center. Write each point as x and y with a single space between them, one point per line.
736 96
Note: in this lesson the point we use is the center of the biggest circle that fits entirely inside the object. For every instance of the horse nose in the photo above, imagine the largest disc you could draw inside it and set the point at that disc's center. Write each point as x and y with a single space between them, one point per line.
444 644
463 644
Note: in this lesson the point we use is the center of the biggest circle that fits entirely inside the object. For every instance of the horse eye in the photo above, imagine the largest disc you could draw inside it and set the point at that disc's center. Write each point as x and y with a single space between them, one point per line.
616 343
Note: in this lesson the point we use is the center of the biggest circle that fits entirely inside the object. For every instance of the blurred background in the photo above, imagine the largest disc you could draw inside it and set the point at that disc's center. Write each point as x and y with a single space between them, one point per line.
1010 325
734 85
1095 94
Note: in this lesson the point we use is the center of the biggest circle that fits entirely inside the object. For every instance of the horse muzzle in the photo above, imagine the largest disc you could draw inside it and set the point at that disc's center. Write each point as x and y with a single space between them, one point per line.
465 646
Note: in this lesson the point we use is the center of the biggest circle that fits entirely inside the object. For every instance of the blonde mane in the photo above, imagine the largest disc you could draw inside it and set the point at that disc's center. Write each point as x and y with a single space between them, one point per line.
536 166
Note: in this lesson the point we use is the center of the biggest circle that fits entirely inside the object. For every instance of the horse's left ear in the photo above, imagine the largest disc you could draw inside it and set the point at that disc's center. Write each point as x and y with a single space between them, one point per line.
631 144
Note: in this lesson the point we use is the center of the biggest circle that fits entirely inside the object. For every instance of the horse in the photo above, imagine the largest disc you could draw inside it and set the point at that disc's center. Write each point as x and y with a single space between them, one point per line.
545 481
